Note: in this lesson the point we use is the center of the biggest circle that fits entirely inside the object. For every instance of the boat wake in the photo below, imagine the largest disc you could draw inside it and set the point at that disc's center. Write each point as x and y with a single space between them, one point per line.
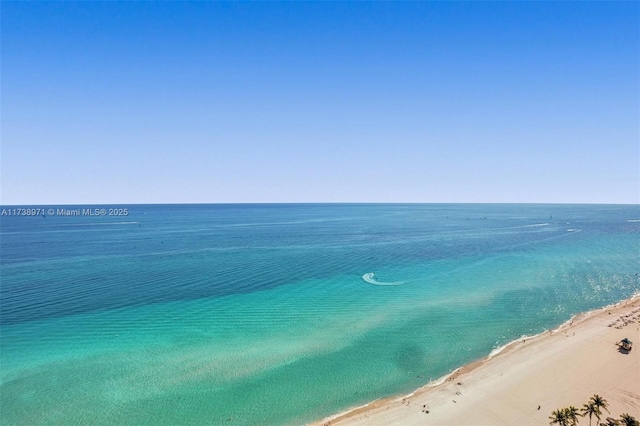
370 278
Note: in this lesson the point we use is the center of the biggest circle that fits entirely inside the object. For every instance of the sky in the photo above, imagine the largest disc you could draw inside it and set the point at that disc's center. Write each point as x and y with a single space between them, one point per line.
196 102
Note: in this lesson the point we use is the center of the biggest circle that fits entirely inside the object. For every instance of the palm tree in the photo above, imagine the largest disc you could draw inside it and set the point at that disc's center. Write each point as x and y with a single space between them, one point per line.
628 420
591 409
599 402
558 416
571 414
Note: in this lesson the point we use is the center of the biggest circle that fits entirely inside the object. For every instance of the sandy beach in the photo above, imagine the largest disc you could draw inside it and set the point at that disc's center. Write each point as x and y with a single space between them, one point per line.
528 379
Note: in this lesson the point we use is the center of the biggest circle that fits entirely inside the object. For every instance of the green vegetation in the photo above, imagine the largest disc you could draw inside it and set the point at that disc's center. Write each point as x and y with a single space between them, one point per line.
565 416
627 420
599 402
590 408
569 416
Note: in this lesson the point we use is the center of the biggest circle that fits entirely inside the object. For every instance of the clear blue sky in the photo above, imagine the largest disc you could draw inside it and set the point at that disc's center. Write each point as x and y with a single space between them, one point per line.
145 102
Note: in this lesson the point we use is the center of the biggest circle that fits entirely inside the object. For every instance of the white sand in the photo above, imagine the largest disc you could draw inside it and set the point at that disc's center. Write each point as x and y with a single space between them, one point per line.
551 371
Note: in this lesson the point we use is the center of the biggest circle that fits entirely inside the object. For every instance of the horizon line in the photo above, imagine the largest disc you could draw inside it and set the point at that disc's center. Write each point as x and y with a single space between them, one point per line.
324 203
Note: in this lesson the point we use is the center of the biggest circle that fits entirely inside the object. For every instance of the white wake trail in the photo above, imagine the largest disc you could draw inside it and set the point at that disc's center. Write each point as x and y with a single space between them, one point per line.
370 278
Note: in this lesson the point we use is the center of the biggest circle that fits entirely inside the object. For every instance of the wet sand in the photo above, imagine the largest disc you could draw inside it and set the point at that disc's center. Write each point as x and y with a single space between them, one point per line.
528 379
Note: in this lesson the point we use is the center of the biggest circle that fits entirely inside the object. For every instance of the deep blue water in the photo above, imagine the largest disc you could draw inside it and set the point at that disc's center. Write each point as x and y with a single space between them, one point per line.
181 313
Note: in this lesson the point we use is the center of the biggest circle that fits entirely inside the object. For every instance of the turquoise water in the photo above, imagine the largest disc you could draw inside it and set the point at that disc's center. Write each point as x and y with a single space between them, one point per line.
270 314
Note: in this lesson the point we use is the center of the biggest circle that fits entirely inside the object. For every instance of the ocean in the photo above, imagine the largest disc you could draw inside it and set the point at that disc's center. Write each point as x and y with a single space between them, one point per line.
283 314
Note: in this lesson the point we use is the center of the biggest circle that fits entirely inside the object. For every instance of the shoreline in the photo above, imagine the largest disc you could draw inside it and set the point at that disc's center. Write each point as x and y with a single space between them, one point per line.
428 397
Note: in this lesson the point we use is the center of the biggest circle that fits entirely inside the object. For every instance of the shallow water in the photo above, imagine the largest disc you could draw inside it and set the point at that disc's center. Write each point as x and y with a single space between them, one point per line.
267 313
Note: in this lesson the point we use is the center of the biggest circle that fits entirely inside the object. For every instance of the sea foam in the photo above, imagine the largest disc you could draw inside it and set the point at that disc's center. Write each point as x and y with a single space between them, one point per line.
370 278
